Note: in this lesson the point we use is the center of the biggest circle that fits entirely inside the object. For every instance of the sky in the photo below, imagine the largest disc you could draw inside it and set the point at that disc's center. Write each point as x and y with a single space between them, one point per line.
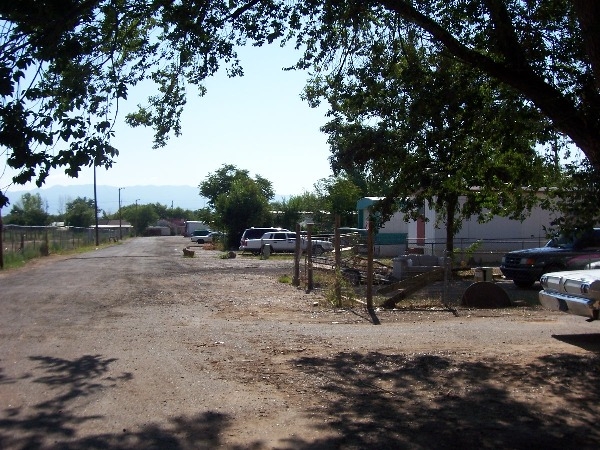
257 123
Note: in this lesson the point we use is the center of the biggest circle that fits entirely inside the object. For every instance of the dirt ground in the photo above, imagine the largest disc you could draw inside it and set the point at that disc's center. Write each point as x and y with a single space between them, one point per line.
136 347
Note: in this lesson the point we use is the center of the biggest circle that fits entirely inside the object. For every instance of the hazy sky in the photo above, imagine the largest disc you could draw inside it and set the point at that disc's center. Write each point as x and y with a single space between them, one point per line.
257 122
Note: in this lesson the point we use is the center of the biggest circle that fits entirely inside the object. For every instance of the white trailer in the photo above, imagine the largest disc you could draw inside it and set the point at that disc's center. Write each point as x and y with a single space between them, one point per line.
193 225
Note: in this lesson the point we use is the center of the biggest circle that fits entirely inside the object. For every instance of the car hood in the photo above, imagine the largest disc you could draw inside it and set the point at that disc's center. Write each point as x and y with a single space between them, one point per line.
583 283
540 250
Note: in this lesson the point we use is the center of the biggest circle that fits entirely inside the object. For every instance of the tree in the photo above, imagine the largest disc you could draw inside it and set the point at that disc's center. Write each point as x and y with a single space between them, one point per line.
340 196
549 52
140 216
432 132
30 210
575 194
80 212
288 212
243 206
221 181
65 65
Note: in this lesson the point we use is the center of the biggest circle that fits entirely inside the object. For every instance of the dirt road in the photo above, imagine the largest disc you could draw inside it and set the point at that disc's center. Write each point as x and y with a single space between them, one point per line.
136 347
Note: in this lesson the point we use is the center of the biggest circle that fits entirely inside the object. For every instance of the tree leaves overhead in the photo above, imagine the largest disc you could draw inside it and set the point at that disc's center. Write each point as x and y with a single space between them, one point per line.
66 65
424 128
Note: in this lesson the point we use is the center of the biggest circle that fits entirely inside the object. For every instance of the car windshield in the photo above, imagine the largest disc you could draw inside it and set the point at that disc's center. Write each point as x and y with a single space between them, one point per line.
574 240
561 241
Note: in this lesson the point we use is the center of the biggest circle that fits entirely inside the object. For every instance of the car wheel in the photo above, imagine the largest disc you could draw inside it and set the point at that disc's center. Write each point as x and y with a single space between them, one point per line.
523 283
318 250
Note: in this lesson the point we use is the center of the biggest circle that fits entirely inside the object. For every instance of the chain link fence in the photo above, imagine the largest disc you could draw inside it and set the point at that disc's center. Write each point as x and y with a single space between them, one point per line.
474 251
24 239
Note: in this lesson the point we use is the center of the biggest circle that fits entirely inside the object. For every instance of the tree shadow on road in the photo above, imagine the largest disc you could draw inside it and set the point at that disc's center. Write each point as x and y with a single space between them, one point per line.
443 401
53 423
361 400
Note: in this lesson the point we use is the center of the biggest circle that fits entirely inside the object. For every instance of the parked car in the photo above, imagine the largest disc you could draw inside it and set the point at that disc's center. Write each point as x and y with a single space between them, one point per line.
253 234
285 241
574 292
571 252
202 236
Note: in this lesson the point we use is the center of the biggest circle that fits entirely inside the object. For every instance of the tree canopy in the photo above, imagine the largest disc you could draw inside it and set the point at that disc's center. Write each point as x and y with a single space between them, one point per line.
425 129
65 65
30 210
243 206
80 212
222 180
548 52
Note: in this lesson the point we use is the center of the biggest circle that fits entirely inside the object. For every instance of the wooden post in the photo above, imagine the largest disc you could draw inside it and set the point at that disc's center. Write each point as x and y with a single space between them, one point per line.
297 253
1 242
338 261
311 285
371 232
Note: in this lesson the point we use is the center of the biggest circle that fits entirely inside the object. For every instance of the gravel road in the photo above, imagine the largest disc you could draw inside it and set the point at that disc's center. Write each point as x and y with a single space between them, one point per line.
136 347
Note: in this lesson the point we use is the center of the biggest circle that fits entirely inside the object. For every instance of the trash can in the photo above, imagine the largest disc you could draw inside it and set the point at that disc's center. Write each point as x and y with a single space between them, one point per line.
484 274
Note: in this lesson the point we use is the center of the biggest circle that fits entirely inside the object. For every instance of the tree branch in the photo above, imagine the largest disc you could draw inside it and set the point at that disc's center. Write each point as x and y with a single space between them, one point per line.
564 114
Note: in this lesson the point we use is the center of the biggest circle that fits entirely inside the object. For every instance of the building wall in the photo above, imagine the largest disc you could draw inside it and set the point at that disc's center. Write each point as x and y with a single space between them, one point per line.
528 233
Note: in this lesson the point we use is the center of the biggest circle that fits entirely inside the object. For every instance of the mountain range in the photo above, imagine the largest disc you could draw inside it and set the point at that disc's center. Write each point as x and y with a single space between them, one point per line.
56 197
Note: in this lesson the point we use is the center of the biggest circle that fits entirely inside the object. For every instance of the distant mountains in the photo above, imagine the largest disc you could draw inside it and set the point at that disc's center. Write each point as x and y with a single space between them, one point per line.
186 197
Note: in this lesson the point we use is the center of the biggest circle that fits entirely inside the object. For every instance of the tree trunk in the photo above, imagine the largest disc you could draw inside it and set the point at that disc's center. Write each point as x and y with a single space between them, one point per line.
450 224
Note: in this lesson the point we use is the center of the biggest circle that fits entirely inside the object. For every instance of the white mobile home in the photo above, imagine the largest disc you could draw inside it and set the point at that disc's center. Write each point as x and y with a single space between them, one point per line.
484 242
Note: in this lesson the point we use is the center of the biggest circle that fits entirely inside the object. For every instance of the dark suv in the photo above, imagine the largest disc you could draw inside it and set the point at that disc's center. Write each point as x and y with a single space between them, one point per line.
578 251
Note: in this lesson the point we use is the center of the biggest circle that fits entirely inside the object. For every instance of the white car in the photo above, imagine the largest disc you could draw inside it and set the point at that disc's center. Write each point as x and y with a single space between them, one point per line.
575 292
285 241
202 236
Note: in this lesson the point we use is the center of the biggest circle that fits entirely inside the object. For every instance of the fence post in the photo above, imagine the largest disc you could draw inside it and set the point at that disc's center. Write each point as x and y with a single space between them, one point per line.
297 253
370 233
338 261
1 242
309 257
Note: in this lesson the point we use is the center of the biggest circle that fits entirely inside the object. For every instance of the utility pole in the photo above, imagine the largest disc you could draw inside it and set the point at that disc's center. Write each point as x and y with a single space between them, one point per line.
120 221
96 206
136 216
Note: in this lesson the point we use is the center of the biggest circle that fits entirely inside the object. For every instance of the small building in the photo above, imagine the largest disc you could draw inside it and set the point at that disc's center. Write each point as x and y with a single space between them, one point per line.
482 242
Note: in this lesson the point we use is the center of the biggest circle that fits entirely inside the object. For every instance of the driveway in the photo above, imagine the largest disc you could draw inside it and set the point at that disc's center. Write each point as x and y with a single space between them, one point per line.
136 347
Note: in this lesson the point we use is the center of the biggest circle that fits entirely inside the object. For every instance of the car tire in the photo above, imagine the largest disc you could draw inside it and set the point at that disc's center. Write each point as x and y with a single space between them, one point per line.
318 250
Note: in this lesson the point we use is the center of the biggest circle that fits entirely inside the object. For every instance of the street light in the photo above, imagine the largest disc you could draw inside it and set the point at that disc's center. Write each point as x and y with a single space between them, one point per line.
120 231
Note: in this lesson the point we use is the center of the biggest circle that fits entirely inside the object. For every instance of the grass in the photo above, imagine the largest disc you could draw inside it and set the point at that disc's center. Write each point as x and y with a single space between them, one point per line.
285 279
15 260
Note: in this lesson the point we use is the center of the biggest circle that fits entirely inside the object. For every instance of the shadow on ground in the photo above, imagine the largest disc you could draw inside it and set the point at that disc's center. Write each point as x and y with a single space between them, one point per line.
52 424
372 400
442 401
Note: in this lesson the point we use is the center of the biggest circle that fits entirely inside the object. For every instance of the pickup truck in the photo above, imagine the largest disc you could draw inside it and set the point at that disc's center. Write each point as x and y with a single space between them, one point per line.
574 292
285 241
567 252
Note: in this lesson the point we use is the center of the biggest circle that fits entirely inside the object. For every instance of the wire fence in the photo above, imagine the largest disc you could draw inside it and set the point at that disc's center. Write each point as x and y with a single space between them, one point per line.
473 250
25 239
